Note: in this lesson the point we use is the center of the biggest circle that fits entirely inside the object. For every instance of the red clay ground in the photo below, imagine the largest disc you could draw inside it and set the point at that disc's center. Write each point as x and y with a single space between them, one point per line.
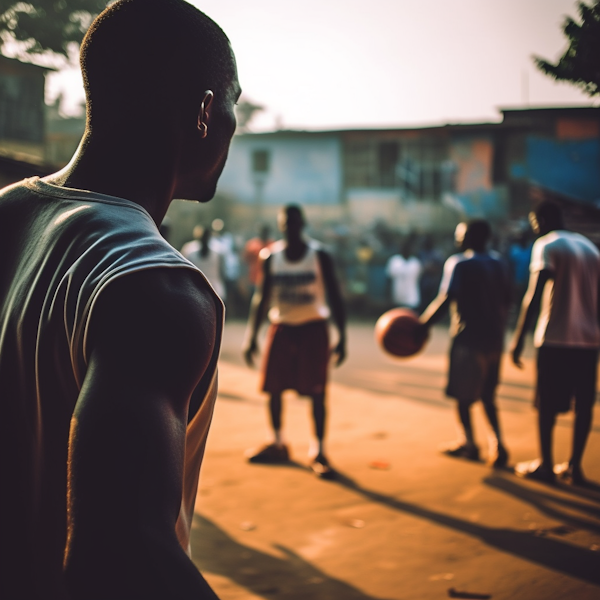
403 521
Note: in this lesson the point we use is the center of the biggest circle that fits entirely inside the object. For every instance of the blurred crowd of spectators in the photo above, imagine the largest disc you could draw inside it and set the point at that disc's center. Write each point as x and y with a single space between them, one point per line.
378 267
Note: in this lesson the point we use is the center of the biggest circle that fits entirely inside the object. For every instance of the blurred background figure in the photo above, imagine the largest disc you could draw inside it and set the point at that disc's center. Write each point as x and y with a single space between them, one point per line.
224 243
432 265
202 252
519 255
251 253
404 270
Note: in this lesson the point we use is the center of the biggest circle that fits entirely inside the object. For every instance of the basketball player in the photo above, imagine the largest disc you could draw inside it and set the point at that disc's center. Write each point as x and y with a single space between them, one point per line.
564 289
109 337
300 287
476 287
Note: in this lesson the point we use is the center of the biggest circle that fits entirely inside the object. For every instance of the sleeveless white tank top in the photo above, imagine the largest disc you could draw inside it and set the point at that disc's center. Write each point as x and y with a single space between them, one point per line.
59 249
298 290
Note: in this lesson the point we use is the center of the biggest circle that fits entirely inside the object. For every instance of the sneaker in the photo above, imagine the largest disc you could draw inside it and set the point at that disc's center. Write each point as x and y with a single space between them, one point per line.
321 468
566 472
461 450
271 454
500 460
535 470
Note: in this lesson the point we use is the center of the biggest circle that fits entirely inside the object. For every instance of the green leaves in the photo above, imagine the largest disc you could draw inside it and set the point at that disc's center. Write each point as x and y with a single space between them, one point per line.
580 64
46 26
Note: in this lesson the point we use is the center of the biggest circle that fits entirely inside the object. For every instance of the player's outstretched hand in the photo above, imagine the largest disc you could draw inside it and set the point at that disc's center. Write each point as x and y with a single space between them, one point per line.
249 351
340 352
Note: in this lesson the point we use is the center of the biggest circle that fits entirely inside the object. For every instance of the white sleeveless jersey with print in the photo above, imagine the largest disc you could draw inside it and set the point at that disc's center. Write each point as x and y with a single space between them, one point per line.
298 292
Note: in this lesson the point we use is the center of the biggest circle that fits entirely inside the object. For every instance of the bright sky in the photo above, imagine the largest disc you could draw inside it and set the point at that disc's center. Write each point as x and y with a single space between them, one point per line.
320 64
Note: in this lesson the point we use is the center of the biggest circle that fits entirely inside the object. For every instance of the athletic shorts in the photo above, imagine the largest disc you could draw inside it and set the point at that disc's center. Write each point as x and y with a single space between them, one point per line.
296 358
473 373
564 374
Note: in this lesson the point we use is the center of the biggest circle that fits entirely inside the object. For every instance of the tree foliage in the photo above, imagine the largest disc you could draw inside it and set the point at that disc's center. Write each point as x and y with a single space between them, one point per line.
245 112
580 64
42 27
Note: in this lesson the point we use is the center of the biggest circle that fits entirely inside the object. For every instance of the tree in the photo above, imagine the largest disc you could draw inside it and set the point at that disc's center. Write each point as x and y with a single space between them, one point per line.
46 27
580 64
245 112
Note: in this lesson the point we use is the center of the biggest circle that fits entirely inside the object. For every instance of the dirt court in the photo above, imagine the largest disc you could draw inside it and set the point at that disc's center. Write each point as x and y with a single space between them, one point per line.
402 521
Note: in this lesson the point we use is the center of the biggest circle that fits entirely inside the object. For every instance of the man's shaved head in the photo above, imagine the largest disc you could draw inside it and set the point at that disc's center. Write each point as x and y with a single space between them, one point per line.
146 57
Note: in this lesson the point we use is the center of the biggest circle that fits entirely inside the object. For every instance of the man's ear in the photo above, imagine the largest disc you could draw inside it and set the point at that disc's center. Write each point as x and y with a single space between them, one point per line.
203 114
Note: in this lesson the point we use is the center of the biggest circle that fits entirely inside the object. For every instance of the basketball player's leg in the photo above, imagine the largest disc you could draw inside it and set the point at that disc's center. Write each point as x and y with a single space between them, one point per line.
464 385
586 364
319 413
581 432
274 451
276 374
320 463
498 455
546 421
541 469
552 397
275 416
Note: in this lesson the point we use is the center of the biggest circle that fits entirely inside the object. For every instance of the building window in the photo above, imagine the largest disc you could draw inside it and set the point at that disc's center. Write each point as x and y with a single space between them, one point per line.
388 159
261 160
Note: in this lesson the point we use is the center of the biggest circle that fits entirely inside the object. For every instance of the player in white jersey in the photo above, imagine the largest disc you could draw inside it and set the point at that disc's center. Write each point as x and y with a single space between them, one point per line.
108 337
300 287
564 287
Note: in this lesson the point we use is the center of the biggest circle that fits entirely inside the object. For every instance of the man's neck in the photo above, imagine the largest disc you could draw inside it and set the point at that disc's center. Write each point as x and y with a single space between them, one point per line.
295 248
121 171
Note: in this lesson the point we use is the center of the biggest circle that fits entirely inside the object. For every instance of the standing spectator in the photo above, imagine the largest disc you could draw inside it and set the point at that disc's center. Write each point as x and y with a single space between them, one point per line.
432 266
475 285
223 242
251 255
404 270
519 256
202 253
563 286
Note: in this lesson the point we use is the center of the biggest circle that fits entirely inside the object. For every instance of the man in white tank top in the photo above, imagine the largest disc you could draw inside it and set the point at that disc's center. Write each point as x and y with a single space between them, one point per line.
300 292
109 338
564 288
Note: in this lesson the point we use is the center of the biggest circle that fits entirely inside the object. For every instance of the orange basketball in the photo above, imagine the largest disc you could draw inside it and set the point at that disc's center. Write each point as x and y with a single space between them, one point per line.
398 332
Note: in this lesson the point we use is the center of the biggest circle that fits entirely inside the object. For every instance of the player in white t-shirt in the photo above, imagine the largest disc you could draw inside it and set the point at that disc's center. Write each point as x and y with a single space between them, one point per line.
564 286
209 259
300 291
404 270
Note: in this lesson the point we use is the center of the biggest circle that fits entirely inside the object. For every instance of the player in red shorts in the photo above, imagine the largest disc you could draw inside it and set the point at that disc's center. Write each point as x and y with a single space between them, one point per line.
300 291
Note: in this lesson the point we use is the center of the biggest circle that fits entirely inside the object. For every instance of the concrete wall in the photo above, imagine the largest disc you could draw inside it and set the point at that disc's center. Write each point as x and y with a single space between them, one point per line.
367 206
303 168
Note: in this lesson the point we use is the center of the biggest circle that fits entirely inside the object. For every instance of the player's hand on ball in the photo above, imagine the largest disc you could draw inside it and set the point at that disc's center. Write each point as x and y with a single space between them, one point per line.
400 333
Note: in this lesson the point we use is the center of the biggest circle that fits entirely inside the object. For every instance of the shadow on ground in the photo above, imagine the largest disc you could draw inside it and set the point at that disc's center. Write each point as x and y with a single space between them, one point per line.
551 553
289 577
553 505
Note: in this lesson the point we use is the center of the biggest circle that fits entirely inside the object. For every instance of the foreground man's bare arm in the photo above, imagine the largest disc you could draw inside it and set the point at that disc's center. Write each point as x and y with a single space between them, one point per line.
151 338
